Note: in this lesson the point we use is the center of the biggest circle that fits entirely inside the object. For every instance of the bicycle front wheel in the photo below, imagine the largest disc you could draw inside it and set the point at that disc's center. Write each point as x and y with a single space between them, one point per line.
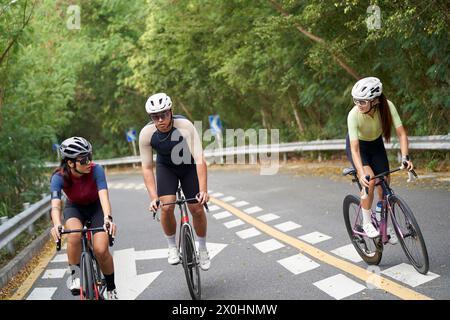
190 262
87 291
370 250
409 234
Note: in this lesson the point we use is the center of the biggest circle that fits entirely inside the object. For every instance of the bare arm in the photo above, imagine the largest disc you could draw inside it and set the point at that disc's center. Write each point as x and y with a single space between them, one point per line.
404 145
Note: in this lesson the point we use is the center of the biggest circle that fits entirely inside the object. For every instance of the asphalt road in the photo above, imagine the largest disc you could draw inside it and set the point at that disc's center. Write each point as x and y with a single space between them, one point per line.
254 230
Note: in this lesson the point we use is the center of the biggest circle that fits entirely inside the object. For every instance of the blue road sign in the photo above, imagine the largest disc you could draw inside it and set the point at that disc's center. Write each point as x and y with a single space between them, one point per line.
131 135
215 124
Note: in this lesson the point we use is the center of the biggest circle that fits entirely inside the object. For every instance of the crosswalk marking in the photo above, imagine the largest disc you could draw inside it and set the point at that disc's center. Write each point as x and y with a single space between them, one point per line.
239 204
268 217
42 293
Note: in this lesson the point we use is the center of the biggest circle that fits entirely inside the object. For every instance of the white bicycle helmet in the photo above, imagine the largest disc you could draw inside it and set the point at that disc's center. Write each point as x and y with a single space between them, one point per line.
74 147
367 89
157 103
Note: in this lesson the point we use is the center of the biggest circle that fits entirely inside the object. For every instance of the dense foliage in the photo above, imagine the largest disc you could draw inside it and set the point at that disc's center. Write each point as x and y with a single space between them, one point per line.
258 64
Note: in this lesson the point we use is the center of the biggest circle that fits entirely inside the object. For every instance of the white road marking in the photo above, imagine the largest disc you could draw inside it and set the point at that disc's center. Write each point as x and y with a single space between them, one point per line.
239 204
407 274
60 258
222 215
229 198
217 195
248 233
42 293
214 208
268 245
253 210
233 223
339 286
287 226
129 186
314 237
348 252
54 273
298 263
268 217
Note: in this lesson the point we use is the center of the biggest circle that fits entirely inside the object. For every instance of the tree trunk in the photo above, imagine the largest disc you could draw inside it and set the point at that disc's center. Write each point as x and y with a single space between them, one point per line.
315 38
300 125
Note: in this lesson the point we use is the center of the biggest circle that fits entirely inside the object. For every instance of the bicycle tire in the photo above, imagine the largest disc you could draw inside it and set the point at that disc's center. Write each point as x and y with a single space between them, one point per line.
99 280
190 263
371 256
86 278
410 230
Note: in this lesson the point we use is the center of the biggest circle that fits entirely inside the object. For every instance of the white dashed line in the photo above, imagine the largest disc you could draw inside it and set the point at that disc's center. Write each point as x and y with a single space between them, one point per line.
233 223
268 217
314 237
54 273
222 215
229 198
253 210
42 293
287 226
268 245
298 263
339 286
407 274
239 204
348 252
248 233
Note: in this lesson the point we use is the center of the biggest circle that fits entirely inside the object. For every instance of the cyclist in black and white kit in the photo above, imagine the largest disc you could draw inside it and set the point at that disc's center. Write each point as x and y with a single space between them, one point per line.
179 159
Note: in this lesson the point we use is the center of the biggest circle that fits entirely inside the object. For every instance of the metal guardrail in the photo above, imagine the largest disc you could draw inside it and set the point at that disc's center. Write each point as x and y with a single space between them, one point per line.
10 229
438 142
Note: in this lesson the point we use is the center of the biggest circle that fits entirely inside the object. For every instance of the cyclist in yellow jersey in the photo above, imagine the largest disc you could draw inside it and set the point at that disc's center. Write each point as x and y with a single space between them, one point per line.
372 118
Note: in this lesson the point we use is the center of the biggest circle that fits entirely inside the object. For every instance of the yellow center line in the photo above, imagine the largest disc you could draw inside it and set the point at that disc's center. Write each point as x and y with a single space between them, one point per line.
363 274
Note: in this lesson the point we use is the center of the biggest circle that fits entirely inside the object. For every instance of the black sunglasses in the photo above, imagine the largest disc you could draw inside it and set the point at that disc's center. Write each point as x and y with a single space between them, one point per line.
85 160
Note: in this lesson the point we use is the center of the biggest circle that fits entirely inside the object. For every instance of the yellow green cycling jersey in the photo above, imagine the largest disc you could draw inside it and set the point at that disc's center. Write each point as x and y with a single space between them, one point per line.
364 127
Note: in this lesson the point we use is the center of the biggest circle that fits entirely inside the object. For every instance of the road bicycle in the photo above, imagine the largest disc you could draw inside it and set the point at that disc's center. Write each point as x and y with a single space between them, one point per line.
186 245
92 280
395 209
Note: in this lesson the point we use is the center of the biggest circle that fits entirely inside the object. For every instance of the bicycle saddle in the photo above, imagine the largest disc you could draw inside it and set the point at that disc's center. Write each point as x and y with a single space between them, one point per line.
348 171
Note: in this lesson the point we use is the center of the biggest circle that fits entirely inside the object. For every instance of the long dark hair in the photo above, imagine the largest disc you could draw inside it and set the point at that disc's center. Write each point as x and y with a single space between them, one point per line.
386 117
63 170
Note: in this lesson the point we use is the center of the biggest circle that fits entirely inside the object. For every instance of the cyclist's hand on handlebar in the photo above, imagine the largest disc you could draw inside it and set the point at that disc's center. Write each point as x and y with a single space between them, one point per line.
56 232
154 205
202 197
363 181
408 165
109 226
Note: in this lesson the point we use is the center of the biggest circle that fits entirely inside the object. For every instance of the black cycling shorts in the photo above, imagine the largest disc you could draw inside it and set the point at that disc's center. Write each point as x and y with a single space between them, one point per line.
167 178
92 212
373 154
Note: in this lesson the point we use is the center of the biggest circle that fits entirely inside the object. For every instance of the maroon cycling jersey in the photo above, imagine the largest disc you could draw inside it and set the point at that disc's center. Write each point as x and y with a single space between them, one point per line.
84 189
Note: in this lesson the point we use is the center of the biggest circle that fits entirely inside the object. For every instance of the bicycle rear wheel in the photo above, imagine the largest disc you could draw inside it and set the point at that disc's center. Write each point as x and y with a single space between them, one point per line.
370 250
190 262
87 291
409 234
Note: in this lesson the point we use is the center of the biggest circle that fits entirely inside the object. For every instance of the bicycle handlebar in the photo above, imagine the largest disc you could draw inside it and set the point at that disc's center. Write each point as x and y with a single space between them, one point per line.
83 230
411 173
180 201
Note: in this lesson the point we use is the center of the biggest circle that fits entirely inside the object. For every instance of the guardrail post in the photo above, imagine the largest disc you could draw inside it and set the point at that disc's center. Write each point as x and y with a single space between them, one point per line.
284 157
30 229
10 247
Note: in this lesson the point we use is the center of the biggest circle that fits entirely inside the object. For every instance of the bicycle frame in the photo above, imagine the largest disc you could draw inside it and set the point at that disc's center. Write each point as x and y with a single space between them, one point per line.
87 248
387 210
